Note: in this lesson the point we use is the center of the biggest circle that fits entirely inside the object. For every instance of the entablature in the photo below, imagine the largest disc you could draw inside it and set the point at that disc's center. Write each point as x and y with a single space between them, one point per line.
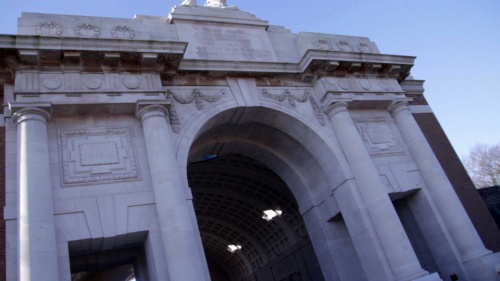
41 53
359 93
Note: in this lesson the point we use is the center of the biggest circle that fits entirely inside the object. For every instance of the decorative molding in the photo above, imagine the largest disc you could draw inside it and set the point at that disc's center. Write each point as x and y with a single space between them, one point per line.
93 81
323 44
291 98
123 32
131 82
48 28
174 117
345 46
52 82
91 156
130 57
28 57
384 84
344 83
198 97
52 56
365 84
364 48
87 30
91 56
378 137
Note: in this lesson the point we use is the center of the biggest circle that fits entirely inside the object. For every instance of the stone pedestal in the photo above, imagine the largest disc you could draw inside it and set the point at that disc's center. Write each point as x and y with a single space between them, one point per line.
178 234
367 203
37 239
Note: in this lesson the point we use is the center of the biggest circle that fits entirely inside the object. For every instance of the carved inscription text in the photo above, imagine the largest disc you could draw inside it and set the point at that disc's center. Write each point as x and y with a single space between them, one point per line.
92 154
228 44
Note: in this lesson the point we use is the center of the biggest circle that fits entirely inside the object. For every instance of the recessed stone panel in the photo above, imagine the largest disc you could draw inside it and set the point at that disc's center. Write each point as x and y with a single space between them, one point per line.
97 155
378 137
218 42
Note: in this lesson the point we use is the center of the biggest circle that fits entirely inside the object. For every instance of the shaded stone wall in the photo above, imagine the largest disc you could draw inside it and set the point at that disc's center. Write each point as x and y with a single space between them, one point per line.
2 194
491 196
470 198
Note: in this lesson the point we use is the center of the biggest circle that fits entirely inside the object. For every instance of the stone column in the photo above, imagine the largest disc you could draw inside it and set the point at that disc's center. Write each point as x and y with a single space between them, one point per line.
184 258
454 216
371 203
37 246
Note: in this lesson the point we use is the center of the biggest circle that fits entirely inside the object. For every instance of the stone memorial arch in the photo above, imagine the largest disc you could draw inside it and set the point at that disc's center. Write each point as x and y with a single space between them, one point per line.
210 145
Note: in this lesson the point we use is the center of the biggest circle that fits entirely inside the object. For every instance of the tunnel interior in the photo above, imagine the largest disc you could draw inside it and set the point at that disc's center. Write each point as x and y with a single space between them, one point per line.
230 194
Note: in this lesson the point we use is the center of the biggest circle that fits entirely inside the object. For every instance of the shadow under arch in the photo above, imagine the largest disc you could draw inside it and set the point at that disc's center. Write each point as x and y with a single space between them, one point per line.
304 156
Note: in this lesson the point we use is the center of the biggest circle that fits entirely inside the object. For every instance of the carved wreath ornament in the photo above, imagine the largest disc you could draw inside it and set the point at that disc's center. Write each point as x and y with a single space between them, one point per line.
48 28
122 32
287 95
87 30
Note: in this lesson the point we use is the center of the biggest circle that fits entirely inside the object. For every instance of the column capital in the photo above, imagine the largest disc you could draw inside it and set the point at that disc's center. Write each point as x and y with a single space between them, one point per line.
147 108
335 107
397 107
30 111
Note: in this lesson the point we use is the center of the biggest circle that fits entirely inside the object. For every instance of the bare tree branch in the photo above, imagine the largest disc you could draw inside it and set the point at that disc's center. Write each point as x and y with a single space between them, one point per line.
483 165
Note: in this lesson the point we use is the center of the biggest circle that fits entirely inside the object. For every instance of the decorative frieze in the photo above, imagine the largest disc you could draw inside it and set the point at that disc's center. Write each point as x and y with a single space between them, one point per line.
123 32
292 98
91 56
90 156
345 46
364 48
323 44
51 82
48 28
378 137
131 82
81 82
93 81
198 97
87 30
341 45
50 56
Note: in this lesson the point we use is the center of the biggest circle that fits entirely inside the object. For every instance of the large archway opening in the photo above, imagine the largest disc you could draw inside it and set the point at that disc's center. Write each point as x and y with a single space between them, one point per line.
239 169
249 222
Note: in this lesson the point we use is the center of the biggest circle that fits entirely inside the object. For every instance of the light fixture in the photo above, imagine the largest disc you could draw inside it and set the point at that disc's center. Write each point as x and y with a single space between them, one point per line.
270 214
233 248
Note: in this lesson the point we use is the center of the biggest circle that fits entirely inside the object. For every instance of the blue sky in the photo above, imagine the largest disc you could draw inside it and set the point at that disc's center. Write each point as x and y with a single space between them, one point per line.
457 44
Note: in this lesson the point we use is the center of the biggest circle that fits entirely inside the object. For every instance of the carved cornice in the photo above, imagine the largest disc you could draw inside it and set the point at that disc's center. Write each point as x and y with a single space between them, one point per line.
54 53
341 63
167 57
361 93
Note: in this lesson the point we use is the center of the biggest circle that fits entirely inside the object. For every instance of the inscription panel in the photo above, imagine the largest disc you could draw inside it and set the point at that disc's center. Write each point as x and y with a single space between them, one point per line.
97 155
92 154
226 43
379 138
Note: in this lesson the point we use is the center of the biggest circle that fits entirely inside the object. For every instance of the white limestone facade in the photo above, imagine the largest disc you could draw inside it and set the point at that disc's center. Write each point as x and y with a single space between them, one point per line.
108 121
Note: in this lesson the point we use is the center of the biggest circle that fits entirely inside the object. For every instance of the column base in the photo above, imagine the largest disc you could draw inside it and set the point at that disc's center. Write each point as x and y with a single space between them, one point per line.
483 268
